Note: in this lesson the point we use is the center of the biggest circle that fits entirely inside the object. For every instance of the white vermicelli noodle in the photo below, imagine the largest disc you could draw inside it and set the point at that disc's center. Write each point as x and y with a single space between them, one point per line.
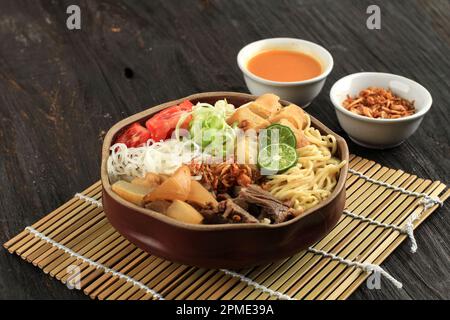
163 157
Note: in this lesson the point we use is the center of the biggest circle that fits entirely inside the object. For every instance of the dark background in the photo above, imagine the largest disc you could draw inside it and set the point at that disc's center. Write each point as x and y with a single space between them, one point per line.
61 90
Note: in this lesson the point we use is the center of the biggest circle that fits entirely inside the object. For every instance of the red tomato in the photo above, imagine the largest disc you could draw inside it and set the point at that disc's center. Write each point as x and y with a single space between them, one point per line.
186 105
134 136
162 124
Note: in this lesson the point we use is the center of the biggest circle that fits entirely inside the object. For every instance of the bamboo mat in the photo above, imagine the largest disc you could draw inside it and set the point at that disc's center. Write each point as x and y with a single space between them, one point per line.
76 245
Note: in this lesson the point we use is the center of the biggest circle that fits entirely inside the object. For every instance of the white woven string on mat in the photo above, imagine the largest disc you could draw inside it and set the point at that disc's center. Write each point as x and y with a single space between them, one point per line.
368 267
90 200
428 201
407 229
94 264
256 285
364 266
241 277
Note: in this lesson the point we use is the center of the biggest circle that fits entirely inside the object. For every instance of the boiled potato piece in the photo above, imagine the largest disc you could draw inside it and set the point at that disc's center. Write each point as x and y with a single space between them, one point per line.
247 119
177 187
200 196
151 180
293 113
131 192
181 211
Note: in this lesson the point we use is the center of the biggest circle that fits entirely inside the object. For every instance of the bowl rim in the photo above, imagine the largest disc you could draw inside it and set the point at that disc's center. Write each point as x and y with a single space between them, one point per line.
341 143
419 114
324 74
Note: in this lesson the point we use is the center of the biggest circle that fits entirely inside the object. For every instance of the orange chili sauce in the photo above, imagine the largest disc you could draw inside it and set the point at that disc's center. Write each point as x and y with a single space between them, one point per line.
284 66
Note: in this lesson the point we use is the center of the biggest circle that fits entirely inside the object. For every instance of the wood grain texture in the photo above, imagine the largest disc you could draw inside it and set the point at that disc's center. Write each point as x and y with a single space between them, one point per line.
61 90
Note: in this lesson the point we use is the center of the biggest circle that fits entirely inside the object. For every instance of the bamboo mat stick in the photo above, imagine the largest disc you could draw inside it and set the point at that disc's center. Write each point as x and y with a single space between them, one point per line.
115 258
181 286
108 279
186 275
68 233
74 244
334 248
48 226
54 267
114 295
208 293
240 285
154 282
135 273
50 216
82 228
393 234
353 251
101 257
360 164
254 275
201 292
326 244
391 244
130 291
201 284
167 280
305 258
372 232
93 253
259 277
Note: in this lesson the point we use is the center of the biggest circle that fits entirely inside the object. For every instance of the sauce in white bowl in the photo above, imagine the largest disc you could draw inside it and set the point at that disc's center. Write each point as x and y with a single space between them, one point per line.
301 92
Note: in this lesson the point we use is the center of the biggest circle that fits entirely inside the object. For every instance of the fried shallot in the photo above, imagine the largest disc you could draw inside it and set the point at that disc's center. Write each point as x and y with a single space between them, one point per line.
379 103
222 177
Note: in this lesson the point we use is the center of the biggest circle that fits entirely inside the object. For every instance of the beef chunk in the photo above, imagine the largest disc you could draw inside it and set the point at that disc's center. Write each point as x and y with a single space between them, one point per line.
223 196
270 207
235 213
212 215
227 212
158 206
252 205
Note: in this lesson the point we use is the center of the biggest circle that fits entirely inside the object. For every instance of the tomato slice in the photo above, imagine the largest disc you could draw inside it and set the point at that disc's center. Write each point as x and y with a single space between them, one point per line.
186 105
134 136
162 124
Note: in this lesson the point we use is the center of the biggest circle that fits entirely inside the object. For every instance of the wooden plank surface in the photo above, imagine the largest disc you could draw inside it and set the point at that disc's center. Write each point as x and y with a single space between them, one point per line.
61 90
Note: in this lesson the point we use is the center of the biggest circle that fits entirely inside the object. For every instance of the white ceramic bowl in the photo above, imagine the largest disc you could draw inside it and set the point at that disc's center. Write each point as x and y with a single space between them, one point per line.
300 92
379 133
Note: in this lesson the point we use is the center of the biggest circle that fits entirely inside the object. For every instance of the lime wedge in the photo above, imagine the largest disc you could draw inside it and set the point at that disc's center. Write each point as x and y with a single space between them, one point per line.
277 158
276 134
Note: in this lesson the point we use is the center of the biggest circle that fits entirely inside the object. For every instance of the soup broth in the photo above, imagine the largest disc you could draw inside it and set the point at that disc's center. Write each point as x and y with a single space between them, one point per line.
284 66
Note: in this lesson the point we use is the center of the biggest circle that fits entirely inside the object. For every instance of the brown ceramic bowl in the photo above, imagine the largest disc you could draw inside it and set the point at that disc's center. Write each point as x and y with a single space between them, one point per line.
219 246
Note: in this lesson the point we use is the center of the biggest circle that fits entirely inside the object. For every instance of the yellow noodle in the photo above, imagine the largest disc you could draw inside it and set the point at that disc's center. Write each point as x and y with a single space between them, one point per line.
314 177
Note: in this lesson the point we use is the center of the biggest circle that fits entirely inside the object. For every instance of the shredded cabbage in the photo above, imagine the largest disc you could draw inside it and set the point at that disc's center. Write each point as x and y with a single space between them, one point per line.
209 128
163 157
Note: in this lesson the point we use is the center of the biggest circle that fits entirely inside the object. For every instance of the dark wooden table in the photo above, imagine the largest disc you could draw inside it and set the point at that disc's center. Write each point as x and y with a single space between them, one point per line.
60 90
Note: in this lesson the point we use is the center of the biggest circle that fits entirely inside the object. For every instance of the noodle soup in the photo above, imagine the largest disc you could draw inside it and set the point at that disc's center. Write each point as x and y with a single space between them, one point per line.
280 167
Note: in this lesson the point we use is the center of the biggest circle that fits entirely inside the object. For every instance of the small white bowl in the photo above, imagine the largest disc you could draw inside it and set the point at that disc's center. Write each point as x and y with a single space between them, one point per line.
379 133
300 92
